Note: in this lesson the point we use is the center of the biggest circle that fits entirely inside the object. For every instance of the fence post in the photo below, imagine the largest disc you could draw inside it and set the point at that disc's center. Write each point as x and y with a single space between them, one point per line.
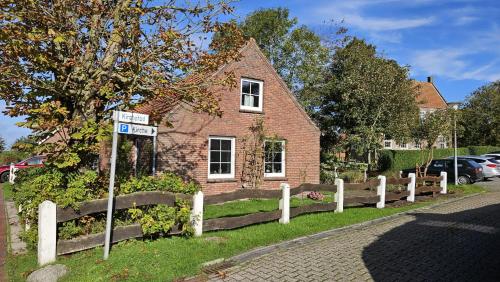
47 232
444 182
12 173
197 213
339 196
381 192
285 203
411 187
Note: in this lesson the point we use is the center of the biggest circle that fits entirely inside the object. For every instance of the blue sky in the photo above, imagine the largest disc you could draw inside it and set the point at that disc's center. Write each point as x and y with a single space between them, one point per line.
455 41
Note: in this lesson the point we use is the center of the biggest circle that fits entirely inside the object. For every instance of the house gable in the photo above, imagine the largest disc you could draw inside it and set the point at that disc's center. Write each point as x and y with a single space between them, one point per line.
429 96
183 147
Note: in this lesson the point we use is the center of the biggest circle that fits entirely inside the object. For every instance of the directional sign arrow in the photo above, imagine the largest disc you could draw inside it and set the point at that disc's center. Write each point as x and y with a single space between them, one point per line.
127 128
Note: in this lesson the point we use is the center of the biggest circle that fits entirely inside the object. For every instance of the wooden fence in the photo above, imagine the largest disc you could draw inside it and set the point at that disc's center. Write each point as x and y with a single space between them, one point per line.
50 215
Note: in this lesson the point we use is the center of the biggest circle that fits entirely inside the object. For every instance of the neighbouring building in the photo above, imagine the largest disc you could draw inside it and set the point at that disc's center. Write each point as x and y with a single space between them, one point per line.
429 99
218 152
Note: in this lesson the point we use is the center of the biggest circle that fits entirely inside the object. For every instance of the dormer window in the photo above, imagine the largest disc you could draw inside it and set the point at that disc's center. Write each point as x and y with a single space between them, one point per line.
251 95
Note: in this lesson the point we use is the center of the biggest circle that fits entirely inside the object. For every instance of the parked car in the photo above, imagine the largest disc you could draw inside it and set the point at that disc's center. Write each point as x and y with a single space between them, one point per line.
36 161
468 170
492 155
491 168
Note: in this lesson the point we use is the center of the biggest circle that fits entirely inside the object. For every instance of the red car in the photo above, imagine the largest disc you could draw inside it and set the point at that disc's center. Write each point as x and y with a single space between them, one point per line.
36 161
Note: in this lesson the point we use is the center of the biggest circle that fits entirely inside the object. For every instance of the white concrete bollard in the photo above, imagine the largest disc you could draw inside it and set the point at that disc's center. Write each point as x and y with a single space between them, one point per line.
444 182
339 196
197 214
411 187
285 203
381 192
47 232
12 173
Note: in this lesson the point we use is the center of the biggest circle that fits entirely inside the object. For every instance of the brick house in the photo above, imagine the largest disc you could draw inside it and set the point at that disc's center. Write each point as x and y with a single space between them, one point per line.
428 99
212 150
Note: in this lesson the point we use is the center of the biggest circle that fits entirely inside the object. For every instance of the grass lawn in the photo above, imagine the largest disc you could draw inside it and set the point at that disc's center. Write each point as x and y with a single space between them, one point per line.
7 191
169 258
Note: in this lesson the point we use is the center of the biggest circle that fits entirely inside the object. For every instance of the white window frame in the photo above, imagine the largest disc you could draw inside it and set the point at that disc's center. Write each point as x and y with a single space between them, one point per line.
261 95
283 159
233 147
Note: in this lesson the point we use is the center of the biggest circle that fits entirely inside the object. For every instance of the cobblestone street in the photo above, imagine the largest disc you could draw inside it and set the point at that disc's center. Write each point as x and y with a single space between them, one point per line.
457 241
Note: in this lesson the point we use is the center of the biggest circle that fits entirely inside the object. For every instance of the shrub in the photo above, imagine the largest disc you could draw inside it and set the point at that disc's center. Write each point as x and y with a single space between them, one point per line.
481 150
327 176
67 189
8 157
396 160
352 176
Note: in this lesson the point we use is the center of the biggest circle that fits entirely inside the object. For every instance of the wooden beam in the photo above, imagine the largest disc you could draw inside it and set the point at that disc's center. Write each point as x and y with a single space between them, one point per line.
121 202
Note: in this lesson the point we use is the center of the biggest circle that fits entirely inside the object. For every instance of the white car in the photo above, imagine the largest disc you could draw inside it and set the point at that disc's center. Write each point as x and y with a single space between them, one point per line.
491 167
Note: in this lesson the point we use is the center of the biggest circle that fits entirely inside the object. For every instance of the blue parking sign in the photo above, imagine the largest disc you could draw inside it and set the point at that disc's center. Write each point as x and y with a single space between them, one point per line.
123 128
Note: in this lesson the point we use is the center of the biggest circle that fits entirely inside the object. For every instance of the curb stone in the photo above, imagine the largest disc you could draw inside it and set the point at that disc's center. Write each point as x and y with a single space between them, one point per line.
324 234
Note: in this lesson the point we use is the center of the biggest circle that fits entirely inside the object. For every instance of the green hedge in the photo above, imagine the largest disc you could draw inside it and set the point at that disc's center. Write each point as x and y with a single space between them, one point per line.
480 150
395 160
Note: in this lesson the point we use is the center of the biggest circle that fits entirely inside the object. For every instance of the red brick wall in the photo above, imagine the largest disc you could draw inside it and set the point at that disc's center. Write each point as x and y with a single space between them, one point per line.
183 147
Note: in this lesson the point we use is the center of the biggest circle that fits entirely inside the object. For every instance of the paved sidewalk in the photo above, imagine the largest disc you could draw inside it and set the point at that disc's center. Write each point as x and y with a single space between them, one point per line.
457 241
3 237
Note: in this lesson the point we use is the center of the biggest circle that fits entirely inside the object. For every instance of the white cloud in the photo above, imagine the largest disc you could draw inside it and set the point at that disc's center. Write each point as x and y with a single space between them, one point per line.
454 63
352 13
465 20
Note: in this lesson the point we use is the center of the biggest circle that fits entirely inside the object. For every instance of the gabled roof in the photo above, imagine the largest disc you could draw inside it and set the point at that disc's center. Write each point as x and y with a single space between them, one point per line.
163 105
429 96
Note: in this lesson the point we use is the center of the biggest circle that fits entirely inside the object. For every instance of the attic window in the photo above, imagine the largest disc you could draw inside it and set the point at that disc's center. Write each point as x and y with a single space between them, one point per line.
251 95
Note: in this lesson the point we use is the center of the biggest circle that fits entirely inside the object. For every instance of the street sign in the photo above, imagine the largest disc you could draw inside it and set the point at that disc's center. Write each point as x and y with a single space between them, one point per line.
133 117
123 122
128 128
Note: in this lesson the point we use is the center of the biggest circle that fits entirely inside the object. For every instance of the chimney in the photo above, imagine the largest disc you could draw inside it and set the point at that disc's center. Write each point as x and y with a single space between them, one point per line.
429 79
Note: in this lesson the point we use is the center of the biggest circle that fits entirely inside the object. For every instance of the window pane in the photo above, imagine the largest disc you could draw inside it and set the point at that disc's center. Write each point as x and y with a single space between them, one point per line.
214 144
278 147
255 101
277 157
225 145
268 168
277 167
245 88
268 156
215 157
255 88
225 156
214 168
247 100
225 168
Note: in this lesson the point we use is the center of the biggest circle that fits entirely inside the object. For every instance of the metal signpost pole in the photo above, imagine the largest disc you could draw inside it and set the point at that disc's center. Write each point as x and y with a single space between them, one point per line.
109 215
455 149
154 156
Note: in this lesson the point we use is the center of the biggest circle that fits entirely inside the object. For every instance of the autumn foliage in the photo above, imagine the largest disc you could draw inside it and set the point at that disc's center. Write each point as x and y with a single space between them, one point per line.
66 64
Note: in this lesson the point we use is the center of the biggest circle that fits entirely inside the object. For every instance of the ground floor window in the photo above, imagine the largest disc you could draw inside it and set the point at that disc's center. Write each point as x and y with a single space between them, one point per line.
387 144
274 158
221 157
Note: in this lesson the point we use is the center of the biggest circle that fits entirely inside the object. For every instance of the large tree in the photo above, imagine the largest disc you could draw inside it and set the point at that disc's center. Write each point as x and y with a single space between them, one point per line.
479 117
426 132
366 96
66 64
2 144
296 52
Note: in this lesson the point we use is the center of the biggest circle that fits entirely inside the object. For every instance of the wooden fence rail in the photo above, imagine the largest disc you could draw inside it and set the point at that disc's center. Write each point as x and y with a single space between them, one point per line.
50 215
